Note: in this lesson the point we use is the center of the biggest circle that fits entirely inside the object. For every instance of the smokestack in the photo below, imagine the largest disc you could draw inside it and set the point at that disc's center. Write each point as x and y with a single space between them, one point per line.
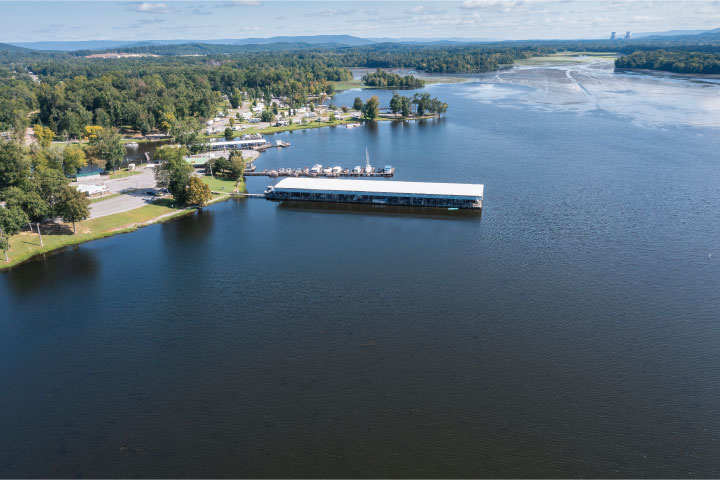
627 35
613 36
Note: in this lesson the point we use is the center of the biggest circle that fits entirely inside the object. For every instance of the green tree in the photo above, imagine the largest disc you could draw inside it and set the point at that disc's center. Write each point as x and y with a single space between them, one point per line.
105 145
422 102
73 205
405 106
49 184
395 103
228 133
236 168
187 134
358 104
12 219
198 193
74 158
14 164
29 202
173 172
266 116
371 109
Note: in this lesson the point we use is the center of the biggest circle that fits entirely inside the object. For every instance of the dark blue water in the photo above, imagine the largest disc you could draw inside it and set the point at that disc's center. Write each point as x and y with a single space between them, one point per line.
571 331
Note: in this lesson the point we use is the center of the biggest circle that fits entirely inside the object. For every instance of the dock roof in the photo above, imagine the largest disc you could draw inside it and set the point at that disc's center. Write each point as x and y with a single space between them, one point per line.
382 186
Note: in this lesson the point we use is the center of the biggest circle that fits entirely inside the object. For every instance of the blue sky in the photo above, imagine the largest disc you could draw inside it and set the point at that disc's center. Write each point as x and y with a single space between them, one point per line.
203 19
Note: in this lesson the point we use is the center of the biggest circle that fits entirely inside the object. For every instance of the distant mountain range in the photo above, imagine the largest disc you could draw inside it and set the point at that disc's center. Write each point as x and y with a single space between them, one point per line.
309 40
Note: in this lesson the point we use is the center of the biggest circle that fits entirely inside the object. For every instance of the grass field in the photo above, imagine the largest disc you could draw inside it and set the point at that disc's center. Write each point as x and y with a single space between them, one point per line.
123 174
26 244
220 184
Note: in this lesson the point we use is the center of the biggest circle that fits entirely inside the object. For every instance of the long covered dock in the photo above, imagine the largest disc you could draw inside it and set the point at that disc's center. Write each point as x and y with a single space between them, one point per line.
412 194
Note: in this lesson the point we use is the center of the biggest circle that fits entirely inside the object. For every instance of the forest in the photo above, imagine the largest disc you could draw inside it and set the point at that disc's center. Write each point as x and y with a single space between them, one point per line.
66 91
382 79
672 61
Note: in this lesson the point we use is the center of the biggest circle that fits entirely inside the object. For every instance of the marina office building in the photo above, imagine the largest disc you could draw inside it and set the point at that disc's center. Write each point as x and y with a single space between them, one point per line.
411 194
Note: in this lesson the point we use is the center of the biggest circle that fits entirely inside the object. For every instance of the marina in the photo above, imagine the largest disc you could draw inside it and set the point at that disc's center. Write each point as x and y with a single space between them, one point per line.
319 170
377 192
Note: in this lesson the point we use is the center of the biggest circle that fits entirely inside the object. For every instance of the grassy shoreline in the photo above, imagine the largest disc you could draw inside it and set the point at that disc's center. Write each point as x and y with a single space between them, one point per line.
25 246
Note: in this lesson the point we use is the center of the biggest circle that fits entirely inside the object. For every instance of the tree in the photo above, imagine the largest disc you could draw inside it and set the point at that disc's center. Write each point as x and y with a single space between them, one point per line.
105 145
198 192
228 133
266 116
187 134
237 165
14 164
357 104
395 103
12 219
173 172
73 205
35 208
405 106
74 158
49 184
344 109
371 109
231 121
332 117
44 135
422 102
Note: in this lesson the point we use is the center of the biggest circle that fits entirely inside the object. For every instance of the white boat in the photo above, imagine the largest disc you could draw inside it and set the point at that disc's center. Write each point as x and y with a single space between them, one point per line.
337 170
352 125
327 170
357 170
317 168
368 167
131 145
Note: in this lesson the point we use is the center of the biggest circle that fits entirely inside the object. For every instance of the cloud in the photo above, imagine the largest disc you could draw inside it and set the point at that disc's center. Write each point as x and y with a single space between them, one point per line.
240 3
147 7
333 12
423 10
478 4
200 11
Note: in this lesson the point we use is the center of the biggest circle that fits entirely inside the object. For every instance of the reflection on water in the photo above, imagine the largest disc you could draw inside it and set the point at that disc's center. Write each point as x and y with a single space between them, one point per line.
71 262
383 210
649 100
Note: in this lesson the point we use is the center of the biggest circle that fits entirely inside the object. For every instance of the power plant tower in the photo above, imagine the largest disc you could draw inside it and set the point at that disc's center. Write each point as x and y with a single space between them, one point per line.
613 36
627 35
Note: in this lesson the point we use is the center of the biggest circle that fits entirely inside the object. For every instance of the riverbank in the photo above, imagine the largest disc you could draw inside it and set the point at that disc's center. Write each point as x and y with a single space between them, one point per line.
26 245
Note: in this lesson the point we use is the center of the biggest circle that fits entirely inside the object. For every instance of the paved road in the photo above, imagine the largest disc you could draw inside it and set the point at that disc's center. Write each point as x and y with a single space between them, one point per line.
119 204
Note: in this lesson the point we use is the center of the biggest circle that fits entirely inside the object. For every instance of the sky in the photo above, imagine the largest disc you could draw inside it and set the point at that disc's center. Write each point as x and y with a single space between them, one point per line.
27 21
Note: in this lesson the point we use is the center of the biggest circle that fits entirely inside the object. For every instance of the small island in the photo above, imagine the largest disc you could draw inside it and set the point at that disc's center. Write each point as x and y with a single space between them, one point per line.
382 79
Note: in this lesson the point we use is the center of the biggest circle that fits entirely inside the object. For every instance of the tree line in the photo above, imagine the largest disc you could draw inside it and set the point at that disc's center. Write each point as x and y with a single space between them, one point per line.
672 61
419 104
382 79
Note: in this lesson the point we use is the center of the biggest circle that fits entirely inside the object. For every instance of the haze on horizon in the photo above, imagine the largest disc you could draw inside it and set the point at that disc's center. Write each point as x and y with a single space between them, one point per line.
58 20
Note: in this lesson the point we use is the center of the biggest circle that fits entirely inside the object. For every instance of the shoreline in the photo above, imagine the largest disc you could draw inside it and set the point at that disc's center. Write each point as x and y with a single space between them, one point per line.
80 238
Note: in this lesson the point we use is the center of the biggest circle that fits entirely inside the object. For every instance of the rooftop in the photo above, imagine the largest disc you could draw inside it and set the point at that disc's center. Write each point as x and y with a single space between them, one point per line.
382 186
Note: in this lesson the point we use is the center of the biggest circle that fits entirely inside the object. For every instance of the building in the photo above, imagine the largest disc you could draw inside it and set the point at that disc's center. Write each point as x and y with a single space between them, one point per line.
613 36
93 190
378 192
239 144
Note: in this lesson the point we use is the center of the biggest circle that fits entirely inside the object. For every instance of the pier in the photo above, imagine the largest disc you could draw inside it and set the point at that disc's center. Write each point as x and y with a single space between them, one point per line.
376 192
331 172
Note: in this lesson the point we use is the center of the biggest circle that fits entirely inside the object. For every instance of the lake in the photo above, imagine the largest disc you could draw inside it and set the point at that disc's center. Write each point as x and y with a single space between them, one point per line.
571 331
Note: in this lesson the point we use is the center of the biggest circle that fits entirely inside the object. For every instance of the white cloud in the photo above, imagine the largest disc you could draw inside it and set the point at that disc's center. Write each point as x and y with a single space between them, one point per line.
333 12
241 3
478 4
147 7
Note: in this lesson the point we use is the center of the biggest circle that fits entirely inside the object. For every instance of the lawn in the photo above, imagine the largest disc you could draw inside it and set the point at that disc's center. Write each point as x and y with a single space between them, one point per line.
220 184
123 174
26 244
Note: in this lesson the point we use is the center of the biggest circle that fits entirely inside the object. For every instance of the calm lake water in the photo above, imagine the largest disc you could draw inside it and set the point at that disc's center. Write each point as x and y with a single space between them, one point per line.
571 331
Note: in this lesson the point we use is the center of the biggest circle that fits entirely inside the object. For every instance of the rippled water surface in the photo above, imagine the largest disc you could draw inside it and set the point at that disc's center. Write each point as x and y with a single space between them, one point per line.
571 331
